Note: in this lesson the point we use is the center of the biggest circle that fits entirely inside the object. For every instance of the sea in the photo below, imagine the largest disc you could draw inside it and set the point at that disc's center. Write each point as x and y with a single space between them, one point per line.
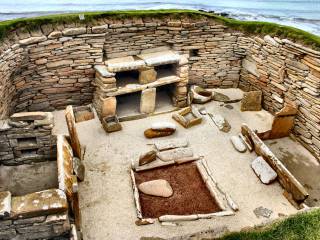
303 14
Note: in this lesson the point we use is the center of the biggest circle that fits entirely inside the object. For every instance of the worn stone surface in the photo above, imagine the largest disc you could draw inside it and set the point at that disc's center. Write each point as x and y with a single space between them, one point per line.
251 101
159 187
39 203
28 116
175 154
221 123
147 157
238 144
148 100
220 97
262 169
262 212
78 168
171 143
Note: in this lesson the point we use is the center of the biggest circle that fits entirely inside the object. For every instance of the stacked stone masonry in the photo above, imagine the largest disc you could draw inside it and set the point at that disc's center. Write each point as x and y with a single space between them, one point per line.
39 215
27 138
53 66
285 72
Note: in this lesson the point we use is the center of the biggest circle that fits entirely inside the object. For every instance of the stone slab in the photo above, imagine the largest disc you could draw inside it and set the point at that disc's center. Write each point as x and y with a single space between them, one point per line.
175 154
262 169
28 116
148 100
251 101
171 144
39 203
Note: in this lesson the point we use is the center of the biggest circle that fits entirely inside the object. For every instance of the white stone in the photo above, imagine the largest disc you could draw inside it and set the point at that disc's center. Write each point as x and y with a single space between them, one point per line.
263 170
238 144
103 71
163 126
171 144
175 154
159 188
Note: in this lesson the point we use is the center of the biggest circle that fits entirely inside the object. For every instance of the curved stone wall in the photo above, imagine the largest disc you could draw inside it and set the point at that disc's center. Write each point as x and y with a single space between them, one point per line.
53 66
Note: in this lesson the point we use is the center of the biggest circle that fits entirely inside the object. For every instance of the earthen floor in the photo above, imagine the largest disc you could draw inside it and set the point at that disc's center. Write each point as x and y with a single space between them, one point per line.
106 198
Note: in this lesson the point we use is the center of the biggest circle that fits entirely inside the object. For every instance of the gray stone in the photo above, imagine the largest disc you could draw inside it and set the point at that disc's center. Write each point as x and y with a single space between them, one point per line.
221 123
251 67
262 212
175 154
238 144
262 169
159 188
171 144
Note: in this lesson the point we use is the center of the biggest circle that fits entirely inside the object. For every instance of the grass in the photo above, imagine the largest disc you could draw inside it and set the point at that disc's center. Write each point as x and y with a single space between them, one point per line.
303 226
251 27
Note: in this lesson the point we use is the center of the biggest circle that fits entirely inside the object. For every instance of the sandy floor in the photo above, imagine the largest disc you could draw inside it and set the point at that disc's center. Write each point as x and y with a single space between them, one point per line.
106 198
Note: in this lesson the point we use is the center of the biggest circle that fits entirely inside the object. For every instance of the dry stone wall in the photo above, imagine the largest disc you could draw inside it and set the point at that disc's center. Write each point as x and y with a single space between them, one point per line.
285 72
53 66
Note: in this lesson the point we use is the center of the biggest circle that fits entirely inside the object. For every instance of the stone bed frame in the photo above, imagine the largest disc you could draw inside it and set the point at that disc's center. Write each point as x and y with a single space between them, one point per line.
48 213
224 201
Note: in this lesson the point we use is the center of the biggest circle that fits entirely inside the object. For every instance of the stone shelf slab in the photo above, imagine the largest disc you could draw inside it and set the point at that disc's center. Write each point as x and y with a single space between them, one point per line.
124 64
160 58
138 87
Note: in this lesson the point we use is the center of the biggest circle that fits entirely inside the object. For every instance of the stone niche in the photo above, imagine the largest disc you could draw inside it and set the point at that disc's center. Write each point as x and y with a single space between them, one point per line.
131 85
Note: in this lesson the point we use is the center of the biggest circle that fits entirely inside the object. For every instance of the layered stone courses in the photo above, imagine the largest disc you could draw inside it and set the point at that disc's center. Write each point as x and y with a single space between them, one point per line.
286 72
53 66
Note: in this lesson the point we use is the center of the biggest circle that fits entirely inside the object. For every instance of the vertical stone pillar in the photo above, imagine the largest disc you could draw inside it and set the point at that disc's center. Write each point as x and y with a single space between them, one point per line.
180 92
148 100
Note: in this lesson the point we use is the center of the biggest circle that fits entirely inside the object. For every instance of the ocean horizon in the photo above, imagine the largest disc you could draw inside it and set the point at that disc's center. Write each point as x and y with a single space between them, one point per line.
302 14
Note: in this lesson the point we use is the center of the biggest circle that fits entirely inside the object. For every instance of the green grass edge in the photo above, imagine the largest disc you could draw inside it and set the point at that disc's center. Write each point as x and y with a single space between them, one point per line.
251 27
301 226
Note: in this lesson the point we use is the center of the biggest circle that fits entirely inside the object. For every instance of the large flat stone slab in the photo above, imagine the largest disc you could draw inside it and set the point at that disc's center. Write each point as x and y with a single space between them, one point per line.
28 116
262 169
171 144
160 58
124 64
39 203
251 101
174 154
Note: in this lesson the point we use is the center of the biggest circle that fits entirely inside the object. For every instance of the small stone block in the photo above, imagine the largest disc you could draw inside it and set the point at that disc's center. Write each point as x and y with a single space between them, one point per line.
148 100
28 116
